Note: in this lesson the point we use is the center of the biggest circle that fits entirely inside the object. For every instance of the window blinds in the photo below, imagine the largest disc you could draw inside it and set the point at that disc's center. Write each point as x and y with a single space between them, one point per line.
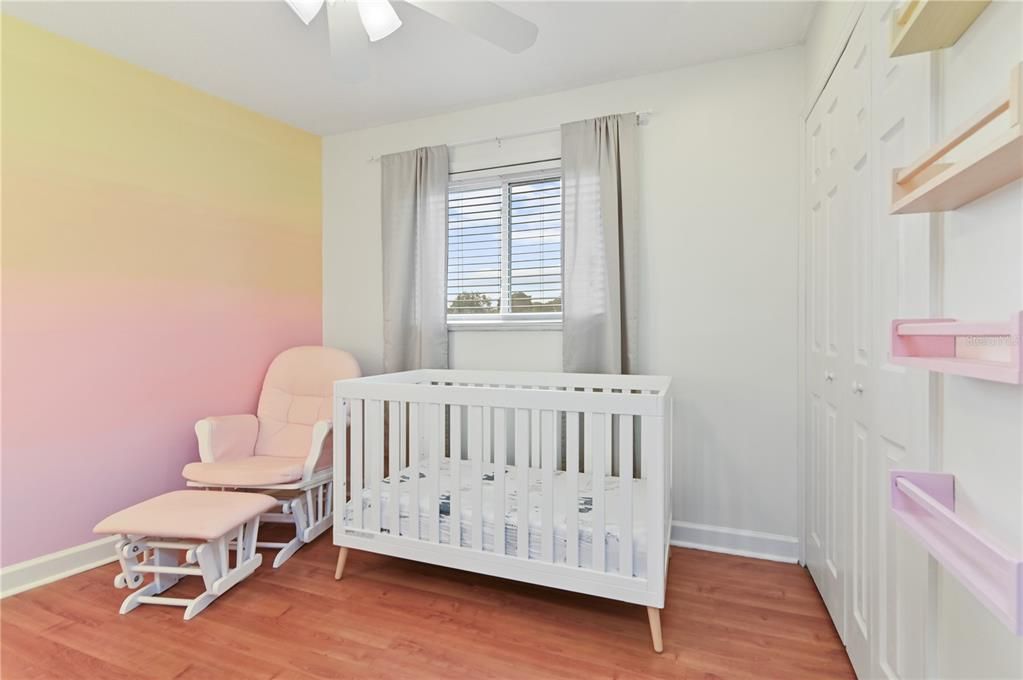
474 250
534 223
504 247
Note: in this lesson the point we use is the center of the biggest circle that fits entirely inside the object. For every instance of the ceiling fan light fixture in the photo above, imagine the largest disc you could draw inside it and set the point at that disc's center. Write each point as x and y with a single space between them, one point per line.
378 18
305 9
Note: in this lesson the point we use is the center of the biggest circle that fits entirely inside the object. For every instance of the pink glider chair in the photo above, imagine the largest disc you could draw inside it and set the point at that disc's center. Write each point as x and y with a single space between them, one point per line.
285 450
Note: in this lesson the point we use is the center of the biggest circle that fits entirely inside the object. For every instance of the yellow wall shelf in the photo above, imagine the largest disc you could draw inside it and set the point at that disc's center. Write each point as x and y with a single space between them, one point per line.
925 25
930 186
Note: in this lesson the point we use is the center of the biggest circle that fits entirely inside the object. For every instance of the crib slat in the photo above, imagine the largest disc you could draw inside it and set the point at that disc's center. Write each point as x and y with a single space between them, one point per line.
600 441
374 458
455 512
625 486
436 451
394 431
355 482
488 451
522 456
572 500
587 452
534 437
475 461
424 438
414 459
547 455
609 452
340 487
500 461
487 458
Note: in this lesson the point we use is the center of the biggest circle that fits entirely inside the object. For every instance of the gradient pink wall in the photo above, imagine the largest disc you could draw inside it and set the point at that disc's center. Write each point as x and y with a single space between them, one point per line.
160 246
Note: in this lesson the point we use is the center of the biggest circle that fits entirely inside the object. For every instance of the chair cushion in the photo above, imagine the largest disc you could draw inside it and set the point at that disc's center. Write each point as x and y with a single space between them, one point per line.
296 393
251 471
203 515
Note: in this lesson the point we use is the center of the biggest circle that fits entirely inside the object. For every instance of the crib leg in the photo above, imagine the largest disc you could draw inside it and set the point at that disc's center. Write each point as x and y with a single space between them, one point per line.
342 555
654 614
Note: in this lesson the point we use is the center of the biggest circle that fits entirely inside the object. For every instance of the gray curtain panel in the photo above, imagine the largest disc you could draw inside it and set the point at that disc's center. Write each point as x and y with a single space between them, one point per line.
599 236
414 192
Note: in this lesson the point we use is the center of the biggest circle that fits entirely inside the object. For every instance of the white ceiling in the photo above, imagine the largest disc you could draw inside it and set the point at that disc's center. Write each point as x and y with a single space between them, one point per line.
261 56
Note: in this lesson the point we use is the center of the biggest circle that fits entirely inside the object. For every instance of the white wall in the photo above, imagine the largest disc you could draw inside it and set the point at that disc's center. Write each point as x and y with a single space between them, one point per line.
505 350
982 428
719 212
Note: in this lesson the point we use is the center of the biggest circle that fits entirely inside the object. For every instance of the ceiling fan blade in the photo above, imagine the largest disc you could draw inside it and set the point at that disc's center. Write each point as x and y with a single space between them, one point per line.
487 20
305 9
349 45
378 18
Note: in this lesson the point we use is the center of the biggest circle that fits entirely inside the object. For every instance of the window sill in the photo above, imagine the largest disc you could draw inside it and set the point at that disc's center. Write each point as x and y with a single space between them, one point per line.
497 325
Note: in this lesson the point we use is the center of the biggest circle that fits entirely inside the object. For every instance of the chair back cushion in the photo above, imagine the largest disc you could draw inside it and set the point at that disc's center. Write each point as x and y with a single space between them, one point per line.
296 393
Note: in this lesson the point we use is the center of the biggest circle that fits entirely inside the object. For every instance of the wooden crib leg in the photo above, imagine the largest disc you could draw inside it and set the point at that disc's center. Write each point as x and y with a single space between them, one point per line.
342 555
654 614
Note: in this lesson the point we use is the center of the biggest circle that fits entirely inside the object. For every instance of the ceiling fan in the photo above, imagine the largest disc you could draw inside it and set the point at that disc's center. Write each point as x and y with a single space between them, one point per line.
378 19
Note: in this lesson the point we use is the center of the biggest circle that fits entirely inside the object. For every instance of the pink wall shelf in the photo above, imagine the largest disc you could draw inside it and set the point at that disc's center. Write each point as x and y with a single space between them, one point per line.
923 503
990 350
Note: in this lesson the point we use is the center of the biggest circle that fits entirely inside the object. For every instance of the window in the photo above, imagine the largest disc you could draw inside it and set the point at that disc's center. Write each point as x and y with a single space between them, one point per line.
504 249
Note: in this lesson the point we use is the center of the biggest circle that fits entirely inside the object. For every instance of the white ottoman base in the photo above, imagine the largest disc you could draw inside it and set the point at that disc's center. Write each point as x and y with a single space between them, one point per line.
141 555
207 526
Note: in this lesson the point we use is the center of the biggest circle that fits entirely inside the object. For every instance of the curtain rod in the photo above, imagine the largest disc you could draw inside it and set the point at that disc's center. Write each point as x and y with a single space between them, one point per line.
506 165
642 119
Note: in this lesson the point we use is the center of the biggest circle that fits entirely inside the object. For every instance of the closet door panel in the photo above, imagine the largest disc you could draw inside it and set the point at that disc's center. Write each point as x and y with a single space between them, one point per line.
864 493
816 369
829 346
901 90
864 415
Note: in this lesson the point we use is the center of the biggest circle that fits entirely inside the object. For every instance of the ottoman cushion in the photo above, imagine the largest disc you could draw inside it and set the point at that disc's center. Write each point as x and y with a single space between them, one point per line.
187 514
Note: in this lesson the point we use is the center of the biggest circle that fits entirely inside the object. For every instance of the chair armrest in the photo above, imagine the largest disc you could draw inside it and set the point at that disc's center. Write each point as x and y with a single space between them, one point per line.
223 438
321 439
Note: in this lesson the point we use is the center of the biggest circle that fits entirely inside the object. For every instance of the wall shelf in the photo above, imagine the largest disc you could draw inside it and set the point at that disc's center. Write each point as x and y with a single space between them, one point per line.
923 503
989 350
929 185
924 25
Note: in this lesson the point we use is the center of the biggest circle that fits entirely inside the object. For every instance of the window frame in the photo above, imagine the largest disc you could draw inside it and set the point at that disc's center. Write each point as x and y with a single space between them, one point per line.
505 319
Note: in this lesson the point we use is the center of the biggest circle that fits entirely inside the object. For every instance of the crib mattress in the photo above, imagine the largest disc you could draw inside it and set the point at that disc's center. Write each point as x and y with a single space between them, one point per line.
612 506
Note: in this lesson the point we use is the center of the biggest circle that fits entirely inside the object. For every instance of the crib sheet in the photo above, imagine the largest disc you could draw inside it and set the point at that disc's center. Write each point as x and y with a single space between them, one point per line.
612 504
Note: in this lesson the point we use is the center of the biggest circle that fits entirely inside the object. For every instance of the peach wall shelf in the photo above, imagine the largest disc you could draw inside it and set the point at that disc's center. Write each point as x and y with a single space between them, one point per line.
929 185
924 25
985 350
923 503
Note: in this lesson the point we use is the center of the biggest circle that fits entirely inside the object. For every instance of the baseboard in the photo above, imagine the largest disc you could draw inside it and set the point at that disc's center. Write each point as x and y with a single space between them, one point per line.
17 578
742 542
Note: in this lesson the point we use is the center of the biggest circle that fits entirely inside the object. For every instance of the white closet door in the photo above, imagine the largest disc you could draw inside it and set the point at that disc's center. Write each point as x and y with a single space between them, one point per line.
863 492
900 439
827 240
865 416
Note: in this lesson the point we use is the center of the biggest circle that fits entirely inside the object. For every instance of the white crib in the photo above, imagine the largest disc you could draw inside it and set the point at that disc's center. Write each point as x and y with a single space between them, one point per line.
588 456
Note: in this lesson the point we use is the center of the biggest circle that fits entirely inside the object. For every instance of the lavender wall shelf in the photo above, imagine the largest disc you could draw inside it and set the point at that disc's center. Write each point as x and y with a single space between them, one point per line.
924 504
990 350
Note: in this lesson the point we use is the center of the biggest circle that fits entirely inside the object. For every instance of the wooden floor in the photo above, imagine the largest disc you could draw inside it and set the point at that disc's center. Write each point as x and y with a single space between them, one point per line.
726 617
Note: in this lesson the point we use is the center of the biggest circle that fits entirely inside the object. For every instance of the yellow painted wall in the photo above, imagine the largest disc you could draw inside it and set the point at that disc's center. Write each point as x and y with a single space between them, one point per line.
159 247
